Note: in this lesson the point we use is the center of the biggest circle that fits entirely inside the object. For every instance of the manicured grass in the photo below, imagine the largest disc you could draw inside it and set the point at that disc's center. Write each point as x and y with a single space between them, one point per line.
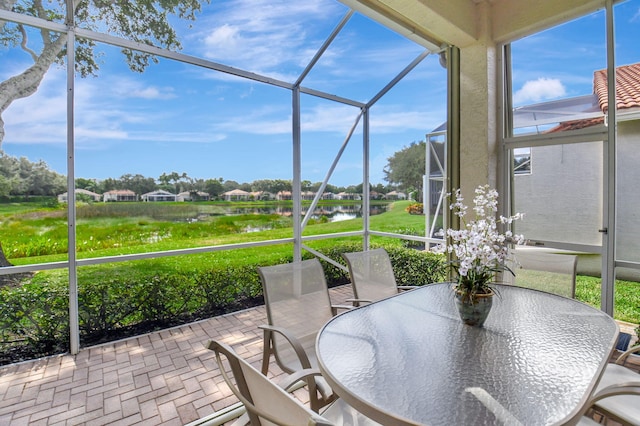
626 299
38 237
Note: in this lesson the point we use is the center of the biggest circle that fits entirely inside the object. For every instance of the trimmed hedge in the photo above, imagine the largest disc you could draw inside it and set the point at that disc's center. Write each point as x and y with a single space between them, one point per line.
34 317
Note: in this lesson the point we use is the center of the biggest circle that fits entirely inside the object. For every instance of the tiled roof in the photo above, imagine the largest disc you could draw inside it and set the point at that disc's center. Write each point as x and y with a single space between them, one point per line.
120 191
577 124
627 87
627 95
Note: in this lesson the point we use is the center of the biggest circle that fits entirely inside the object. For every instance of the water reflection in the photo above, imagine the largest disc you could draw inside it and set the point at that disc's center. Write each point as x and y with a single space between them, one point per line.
333 213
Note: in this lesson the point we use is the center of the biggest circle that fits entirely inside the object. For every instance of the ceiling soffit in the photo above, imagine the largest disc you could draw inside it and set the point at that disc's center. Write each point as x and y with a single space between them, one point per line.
434 23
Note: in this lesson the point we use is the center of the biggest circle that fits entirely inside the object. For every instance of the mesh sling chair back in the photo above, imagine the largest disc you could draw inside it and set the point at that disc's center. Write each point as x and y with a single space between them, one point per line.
541 270
268 404
372 275
298 305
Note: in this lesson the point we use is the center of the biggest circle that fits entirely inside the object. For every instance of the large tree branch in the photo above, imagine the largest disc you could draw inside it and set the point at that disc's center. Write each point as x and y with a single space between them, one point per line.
25 41
26 83
6 5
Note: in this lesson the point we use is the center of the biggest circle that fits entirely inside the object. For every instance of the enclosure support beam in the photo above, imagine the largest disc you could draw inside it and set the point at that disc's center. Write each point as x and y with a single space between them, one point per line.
609 191
296 187
74 327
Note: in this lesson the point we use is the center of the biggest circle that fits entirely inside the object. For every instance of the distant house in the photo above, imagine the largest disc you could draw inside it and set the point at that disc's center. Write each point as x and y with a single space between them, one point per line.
348 196
236 195
395 195
328 196
193 196
63 198
159 195
262 195
119 195
283 195
308 195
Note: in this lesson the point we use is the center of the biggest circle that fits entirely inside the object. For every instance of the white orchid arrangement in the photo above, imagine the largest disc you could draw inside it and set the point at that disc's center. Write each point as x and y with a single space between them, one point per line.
479 249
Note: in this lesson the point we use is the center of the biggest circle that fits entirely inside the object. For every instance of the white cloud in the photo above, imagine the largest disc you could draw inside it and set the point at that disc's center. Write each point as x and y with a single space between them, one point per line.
40 117
126 87
539 90
332 119
262 35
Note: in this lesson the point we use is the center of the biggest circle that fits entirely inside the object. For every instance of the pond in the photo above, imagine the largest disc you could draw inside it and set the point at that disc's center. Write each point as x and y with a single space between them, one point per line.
334 213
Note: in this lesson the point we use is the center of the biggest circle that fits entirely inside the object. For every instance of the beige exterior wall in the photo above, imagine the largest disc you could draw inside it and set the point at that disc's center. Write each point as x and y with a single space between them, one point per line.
478 111
562 197
628 183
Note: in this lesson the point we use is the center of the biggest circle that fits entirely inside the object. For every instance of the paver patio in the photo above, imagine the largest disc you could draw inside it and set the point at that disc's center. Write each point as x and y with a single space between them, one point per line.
162 378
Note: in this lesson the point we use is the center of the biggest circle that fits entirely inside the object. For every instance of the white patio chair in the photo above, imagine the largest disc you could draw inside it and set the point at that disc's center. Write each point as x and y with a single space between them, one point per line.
298 304
268 404
541 270
623 408
372 276
612 392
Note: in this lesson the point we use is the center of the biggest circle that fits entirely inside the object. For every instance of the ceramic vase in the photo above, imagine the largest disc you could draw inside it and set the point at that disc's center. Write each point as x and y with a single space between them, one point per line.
474 311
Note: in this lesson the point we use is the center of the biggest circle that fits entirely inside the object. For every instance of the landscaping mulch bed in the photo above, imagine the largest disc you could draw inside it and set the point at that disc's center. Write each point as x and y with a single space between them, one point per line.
14 352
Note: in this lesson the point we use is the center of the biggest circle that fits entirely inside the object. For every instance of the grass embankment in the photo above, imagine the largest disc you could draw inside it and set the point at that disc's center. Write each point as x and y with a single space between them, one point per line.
111 229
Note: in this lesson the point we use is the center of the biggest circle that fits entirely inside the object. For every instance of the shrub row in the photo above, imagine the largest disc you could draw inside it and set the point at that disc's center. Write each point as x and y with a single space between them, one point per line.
34 317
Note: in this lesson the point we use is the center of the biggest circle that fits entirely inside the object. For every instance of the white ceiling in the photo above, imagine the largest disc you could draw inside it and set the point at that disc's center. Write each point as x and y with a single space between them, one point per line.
434 23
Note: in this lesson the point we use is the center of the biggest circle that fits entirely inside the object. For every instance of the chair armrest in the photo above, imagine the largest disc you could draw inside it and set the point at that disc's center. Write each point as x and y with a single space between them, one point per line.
622 358
334 308
293 341
300 375
627 388
308 376
407 287
357 302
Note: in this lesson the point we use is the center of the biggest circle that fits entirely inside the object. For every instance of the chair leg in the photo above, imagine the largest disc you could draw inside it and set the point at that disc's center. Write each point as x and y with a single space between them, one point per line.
266 351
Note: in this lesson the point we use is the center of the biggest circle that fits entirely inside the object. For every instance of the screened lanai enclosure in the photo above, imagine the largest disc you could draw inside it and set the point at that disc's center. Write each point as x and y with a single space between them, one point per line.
257 94
309 99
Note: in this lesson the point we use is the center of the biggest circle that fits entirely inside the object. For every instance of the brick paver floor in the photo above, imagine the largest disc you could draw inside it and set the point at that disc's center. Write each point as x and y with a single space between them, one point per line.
163 378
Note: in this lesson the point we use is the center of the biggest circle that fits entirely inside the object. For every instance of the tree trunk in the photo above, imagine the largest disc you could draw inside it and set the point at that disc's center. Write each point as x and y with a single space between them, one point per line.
13 280
3 259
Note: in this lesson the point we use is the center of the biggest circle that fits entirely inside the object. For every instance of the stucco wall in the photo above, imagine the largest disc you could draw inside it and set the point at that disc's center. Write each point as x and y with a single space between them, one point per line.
628 200
562 197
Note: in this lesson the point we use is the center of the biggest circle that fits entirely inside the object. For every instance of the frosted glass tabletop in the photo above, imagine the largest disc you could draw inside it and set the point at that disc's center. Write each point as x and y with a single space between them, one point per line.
409 359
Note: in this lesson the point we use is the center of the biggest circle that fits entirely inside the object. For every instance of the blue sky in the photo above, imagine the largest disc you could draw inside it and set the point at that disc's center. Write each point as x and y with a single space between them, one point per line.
177 117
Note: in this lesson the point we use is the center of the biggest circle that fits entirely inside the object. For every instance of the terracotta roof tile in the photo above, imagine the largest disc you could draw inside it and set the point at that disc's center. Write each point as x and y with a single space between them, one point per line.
576 124
627 87
627 95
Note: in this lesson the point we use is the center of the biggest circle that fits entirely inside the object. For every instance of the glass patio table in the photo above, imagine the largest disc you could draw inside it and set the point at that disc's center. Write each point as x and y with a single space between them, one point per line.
410 360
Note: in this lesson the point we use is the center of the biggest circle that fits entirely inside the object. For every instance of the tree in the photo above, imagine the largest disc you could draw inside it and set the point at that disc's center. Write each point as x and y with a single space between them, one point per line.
281 185
137 183
144 21
405 168
88 184
5 186
22 177
214 187
175 182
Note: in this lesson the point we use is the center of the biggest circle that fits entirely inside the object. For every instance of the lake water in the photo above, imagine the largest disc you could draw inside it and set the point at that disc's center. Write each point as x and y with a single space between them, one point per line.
333 213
